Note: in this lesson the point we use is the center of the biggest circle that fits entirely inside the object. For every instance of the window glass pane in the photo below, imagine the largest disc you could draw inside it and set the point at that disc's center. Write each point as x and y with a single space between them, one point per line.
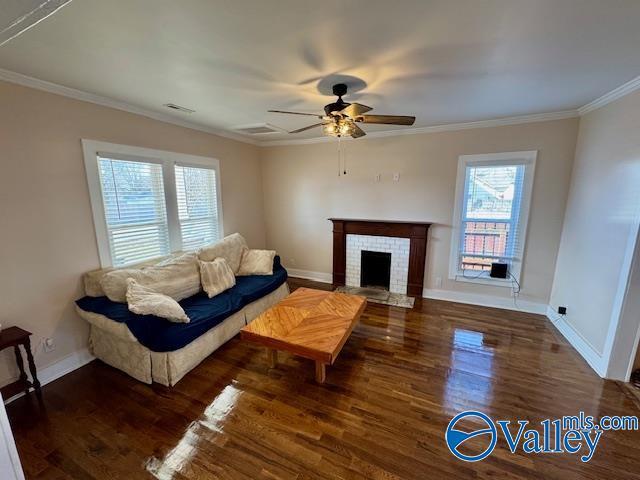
492 201
134 206
197 206
490 192
483 243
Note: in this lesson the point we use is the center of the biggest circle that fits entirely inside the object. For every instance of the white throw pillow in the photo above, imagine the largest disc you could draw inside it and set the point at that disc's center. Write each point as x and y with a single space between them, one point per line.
230 248
177 277
144 301
216 276
257 262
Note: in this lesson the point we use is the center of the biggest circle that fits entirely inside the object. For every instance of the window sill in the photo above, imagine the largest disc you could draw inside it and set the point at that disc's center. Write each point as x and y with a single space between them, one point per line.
484 280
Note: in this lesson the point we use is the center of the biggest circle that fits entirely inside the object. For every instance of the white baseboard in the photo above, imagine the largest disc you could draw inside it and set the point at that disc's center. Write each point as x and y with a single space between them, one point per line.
310 275
451 296
504 303
584 348
60 368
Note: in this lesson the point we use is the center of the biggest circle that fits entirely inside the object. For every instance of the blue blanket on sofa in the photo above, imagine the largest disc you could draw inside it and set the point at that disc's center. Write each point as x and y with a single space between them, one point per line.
161 335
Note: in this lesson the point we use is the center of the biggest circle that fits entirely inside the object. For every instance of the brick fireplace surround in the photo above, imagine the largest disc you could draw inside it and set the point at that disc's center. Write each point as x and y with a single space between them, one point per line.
416 232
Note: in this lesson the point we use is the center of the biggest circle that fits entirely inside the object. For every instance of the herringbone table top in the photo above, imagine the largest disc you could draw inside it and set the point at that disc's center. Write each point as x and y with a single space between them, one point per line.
311 323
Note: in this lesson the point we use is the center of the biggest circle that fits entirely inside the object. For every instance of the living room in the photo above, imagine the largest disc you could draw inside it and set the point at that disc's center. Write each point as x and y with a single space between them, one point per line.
297 240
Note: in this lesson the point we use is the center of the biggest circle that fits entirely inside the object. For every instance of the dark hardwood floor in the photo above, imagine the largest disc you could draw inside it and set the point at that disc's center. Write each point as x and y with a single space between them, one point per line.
382 412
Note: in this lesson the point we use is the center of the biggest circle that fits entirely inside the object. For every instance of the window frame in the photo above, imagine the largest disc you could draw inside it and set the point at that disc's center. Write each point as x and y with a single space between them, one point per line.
92 149
527 158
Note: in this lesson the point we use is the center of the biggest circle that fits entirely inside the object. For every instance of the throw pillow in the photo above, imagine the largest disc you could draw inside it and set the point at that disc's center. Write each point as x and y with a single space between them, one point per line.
216 276
144 301
257 262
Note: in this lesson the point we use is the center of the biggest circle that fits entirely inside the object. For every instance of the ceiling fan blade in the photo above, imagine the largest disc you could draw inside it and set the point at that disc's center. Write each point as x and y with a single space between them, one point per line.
357 132
307 128
295 113
355 110
388 119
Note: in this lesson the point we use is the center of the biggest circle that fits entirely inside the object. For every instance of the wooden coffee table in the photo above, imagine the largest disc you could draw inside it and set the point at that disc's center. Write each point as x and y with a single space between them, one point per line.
314 324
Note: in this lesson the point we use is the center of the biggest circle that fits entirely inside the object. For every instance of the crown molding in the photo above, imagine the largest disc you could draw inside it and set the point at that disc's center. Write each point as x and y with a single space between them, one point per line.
25 80
621 91
497 122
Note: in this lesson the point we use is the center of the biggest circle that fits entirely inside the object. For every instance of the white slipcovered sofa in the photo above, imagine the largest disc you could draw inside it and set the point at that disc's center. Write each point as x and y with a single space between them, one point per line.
112 337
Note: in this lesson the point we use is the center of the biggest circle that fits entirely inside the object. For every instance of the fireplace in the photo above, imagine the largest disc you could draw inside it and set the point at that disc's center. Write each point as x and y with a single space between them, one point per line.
375 269
406 242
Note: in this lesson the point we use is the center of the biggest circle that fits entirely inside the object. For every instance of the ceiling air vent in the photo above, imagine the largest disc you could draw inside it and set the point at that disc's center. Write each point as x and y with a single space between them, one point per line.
258 129
173 106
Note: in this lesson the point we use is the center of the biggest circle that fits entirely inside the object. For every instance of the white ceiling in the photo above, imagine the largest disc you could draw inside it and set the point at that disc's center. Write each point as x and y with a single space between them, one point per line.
446 61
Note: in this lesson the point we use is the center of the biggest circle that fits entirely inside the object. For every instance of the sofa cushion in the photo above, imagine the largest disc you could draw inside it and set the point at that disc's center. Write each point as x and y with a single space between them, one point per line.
256 262
230 248
216 276
177 277
144 301
160 335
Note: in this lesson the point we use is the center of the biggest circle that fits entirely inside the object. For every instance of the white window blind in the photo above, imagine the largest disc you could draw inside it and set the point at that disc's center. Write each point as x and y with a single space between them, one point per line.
197 206
134 208
491 210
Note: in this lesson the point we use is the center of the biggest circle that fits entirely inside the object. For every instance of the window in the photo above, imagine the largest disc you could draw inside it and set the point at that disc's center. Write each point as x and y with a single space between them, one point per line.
134 210
493 194
197 206
148 203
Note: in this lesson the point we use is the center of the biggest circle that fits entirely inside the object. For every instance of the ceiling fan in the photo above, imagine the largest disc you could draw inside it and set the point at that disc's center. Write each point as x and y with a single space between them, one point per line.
340 118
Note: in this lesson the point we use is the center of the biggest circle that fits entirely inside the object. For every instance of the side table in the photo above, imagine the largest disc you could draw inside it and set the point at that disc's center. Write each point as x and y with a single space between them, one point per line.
14 337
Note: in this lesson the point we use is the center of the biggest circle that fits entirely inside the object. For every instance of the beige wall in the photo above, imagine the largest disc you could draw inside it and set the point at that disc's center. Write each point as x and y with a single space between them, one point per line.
47 239
302 189
602 207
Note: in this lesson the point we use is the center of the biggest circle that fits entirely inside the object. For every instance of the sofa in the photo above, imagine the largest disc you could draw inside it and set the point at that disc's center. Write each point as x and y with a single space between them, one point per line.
152 349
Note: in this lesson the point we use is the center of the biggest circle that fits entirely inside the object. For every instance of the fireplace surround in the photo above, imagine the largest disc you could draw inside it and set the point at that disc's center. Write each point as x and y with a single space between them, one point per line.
415 232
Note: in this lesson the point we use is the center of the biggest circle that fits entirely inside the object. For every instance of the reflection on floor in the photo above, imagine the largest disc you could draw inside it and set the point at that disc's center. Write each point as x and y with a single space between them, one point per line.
382 413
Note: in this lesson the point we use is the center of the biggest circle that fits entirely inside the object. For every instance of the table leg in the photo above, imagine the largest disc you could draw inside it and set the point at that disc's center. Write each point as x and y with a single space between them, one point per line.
32 366
273 357
20 363
321 372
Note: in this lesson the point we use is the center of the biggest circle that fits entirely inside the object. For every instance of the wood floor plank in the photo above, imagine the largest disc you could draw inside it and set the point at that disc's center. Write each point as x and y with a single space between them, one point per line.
382 413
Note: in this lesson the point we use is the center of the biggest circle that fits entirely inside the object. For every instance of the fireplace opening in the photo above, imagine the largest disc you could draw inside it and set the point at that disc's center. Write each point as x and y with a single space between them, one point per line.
375 269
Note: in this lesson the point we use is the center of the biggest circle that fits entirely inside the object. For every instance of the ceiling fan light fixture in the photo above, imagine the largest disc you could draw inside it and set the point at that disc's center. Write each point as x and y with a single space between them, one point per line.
330 129
339 128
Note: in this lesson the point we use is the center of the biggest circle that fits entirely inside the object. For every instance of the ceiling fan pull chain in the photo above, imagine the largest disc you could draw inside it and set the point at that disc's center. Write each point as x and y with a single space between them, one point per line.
339 153
344 160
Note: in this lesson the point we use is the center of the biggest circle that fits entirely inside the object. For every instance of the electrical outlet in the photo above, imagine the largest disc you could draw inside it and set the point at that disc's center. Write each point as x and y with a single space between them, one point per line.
49 345
378 177
438 282
396 177
562 310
